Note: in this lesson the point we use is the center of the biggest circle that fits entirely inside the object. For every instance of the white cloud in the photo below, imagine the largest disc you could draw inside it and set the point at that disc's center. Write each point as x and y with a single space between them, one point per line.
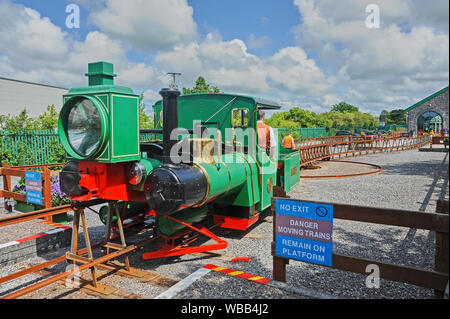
228 65
25 36
255 42
34 49
390 67
147 25
336 58
225 64
291 68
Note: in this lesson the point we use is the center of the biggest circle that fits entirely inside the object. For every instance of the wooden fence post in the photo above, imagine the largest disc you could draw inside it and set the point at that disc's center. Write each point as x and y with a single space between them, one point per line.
47 191
7 186
441 247
279 264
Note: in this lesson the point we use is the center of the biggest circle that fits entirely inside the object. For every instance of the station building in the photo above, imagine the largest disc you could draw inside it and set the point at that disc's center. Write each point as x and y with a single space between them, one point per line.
431 113
16 95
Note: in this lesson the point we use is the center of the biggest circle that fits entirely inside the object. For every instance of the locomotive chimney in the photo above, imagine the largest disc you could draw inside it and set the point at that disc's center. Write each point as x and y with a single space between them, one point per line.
170 120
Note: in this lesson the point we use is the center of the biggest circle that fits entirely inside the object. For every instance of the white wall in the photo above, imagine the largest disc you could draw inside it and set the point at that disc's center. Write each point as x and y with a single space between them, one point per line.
17 95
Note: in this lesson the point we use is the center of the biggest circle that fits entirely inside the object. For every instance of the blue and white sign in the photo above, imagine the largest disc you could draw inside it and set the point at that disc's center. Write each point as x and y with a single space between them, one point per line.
33 187
304 231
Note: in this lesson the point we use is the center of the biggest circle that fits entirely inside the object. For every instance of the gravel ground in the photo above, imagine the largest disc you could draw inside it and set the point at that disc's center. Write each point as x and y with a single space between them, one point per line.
411 180
22 230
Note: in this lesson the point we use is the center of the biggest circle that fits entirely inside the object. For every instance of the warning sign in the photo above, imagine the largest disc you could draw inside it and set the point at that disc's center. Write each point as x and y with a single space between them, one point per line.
304 231
33 187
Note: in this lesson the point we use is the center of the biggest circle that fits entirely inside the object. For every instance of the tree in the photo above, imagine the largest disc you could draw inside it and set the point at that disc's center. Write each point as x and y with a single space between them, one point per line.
280 120
18 122
201 87
384 116
144 119
303 117
48 120
344 107
397 117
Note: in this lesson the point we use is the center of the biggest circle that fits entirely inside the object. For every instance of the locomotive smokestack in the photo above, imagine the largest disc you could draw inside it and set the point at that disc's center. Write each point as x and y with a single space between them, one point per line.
170 120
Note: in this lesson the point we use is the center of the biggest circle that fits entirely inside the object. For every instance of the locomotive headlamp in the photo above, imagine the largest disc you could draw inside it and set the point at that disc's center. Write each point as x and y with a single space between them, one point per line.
83 127
135 173
100 122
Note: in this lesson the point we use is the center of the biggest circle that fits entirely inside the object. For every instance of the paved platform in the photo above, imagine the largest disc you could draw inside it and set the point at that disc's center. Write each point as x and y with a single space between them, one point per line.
435 148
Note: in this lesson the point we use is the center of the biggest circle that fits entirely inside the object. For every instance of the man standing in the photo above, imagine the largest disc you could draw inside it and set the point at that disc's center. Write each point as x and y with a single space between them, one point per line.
288 141
266 136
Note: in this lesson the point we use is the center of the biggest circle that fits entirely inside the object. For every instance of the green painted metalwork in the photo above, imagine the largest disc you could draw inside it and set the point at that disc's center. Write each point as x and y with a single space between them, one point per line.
117 108
267 175
209 107
132 209
167 226
291 170
100 73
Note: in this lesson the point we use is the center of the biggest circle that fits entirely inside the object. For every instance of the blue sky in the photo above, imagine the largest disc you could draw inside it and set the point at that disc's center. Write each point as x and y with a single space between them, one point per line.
239 19
305 53
233 18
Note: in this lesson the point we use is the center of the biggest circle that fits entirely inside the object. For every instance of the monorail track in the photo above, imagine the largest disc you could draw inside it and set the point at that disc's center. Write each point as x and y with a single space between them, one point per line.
70 282
312 150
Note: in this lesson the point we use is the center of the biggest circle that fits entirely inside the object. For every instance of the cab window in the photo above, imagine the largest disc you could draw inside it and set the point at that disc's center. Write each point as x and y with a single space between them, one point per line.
239 117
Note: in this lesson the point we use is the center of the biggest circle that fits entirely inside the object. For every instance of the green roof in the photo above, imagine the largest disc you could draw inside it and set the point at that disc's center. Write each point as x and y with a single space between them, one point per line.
261 103
426 99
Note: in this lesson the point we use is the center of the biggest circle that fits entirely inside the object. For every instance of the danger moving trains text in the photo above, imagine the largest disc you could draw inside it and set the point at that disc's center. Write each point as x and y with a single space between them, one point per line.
304 231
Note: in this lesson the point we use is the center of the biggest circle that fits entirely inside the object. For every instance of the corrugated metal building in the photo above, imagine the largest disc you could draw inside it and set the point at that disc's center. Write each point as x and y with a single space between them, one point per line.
16 95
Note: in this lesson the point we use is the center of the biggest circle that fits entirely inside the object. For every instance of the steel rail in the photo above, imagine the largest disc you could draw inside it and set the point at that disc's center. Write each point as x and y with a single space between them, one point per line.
377 170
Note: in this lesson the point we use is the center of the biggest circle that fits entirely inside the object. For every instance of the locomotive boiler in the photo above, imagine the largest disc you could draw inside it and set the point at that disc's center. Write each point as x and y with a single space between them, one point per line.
202 161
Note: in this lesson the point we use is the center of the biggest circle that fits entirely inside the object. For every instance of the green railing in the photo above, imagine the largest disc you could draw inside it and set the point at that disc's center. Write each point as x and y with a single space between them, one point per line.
31 147
304 132
36 147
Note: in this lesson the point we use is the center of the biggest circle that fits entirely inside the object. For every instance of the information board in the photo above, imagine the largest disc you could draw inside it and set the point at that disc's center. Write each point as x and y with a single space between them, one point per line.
304 231
33 187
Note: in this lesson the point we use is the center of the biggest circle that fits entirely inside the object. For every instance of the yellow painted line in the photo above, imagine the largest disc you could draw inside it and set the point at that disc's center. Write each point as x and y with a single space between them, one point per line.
255 278
235 273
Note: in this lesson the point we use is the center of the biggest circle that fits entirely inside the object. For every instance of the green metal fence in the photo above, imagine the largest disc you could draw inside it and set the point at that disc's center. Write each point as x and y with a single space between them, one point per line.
33 147
30 147
304 132
387 127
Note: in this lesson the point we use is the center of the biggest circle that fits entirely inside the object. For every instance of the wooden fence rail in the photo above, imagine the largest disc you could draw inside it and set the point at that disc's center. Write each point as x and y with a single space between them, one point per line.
7 172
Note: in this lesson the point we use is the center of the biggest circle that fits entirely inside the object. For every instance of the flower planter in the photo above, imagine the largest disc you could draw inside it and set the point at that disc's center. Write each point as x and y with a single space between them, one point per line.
437 139
28 208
